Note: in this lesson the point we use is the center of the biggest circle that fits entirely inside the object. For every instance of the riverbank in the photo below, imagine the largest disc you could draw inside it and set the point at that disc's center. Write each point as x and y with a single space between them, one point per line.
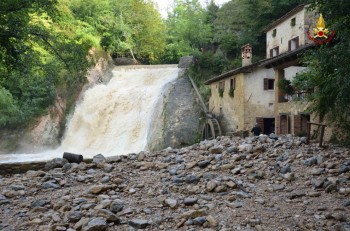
223 184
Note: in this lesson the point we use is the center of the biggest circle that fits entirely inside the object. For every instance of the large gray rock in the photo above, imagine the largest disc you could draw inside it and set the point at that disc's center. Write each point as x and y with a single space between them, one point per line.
96 224
176 121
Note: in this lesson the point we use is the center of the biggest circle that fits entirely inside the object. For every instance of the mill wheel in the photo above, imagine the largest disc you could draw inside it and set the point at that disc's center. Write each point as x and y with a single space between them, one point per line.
211 129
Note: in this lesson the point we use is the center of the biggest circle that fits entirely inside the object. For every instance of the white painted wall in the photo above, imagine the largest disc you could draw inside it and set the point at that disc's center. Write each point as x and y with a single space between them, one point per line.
254 88
290 72
286 32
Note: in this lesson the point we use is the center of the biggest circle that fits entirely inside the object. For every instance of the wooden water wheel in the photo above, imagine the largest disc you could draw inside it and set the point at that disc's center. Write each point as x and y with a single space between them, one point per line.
211 129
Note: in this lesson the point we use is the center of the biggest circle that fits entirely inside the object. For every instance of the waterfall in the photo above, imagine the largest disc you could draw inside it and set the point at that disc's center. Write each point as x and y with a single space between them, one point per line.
114 118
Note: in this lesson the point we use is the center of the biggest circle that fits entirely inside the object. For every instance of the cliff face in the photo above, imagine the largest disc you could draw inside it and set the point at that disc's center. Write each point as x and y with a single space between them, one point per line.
176 120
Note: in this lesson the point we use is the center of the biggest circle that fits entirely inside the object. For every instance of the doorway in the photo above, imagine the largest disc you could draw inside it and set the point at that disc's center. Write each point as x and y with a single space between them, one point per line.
267 125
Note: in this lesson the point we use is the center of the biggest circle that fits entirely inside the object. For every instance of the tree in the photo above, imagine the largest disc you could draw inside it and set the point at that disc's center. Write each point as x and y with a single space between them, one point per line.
39 51
187 30
328 68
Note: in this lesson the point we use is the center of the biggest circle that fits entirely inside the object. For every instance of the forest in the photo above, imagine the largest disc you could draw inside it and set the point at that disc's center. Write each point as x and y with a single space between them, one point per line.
45 44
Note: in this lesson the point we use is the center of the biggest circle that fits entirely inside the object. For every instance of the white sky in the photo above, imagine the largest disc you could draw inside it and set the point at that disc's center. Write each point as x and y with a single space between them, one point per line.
165 4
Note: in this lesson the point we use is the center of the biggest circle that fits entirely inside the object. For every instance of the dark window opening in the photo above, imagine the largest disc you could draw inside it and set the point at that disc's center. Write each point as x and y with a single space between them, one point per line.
231 92
292 22
300 124
293 43
274 33
274 51
269 84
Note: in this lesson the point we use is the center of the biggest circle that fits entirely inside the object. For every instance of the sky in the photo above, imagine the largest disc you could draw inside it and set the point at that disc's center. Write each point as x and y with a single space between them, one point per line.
165 4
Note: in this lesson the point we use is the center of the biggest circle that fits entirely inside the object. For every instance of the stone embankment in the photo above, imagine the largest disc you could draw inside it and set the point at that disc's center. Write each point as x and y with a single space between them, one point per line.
223 184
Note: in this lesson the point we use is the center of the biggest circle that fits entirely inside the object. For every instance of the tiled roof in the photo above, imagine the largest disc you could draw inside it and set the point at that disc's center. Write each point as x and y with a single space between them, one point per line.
267 63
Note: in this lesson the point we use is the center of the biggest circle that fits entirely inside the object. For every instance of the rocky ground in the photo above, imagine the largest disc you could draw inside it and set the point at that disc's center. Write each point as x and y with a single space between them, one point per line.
223 184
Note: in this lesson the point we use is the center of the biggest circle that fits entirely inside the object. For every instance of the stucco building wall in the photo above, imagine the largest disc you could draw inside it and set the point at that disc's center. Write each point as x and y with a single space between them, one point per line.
250 100
287 30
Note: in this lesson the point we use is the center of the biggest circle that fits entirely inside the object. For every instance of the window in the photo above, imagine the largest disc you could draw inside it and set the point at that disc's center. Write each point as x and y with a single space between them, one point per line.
292 22
221 88
274 32
274 51
232 87
232 83
293 43
269 84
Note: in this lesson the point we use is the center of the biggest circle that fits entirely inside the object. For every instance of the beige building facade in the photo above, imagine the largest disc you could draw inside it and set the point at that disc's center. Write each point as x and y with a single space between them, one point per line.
257 93
240 96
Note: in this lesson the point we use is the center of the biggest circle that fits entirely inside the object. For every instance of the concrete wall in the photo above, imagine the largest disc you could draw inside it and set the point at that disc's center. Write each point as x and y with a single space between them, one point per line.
285 32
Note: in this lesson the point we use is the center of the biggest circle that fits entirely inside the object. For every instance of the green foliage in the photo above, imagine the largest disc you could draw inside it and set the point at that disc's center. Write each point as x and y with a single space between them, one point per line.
328 68
8 109
123 28
39 51
221 93
187 30
284 85
231 92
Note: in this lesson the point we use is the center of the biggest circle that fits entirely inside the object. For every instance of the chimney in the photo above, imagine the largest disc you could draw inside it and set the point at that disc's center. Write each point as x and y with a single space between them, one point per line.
246 55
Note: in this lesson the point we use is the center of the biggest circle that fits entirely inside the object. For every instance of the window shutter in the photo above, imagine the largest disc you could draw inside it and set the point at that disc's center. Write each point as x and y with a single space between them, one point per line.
266 84
260 122
297 124
277 50
271 52
297 42
289 45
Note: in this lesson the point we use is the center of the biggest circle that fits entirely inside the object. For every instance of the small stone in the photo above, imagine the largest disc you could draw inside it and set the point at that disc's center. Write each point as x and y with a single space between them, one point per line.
172 203
203 164
116 206
98 159
216 150
97 189
74 216
227 166
138 223
96 224
311 161
39 203
47 185
212 221
211 185
105 179
314 194
190 201
289 176
278 187
285 169
192 179
194 213
344 169
108 215
199 220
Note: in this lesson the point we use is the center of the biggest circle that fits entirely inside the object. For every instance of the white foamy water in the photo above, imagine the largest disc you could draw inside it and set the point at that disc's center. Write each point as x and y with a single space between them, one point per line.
112 119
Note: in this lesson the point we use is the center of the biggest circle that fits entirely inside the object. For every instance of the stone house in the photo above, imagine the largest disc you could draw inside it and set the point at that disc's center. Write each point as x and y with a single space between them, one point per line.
252 93
286 39
243 96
